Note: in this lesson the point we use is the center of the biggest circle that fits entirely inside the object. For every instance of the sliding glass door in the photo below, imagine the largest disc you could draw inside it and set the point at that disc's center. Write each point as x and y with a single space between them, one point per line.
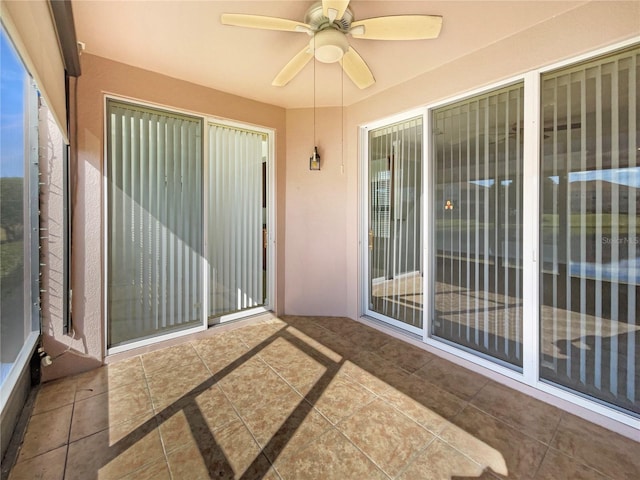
155 238
532 230
394 287
477 242
237 221
187 236
590 229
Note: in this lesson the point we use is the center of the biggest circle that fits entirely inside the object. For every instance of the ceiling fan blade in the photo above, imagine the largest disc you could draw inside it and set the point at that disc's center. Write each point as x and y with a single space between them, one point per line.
264 23
334 9
357 70
292 68
400 27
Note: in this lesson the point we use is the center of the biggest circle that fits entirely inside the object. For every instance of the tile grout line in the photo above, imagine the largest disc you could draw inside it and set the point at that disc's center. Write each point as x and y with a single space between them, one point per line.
417 454
73 410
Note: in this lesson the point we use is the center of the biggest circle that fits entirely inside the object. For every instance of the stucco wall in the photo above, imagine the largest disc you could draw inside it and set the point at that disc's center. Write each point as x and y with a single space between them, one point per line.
99 77
315 276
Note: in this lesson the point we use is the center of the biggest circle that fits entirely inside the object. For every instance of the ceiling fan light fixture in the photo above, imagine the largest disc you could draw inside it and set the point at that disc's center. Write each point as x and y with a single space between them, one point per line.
329 45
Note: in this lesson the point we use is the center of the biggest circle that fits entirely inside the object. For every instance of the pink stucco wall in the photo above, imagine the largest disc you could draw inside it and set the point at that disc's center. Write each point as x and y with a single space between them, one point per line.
316 207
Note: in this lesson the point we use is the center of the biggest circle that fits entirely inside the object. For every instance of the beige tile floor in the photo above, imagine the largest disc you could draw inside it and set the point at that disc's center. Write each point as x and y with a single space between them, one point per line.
305 398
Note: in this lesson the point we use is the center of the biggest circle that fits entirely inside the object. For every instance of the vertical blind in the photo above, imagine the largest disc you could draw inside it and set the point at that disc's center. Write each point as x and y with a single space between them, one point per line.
154 172
395 232
477 195
590 242
235 219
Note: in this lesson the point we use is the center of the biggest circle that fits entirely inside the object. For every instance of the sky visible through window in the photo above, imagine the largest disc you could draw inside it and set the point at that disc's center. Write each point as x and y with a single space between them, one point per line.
12 94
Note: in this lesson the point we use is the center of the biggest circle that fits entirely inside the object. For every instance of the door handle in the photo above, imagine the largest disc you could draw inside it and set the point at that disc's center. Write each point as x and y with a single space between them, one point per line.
370 239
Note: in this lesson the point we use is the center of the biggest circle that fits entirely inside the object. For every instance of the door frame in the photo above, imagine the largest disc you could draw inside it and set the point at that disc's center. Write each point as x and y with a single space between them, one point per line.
364 282
271 228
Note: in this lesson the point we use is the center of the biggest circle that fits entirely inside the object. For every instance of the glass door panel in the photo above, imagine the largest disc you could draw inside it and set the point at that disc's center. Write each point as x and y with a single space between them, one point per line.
154 247
477 198
237 220
590 229
395 223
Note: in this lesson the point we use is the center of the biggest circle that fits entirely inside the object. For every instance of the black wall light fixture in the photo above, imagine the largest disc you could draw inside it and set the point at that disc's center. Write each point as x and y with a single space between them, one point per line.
314 160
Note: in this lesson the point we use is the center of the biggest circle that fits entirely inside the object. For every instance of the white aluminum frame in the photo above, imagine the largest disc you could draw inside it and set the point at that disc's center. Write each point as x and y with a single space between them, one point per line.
364 199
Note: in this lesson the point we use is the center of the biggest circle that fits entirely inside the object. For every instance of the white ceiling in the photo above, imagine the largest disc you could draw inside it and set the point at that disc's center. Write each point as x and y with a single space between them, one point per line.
185 40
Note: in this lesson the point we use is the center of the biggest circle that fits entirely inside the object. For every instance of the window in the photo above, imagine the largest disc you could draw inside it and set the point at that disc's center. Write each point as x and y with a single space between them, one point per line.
18 214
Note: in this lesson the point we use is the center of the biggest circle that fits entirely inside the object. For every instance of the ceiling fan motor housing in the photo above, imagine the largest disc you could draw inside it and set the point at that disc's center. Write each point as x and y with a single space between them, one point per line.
317 21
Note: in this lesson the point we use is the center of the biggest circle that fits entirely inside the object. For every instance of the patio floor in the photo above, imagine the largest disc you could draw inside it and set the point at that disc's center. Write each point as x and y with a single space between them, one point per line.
305 398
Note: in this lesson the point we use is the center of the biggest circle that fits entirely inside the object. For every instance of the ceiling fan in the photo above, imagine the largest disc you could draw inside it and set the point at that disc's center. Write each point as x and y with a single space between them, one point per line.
328 23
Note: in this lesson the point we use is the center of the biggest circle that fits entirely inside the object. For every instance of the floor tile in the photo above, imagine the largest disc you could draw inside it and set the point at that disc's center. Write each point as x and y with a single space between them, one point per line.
331 456
341 326
528 415
441 461
56 394
340 398
251 384
158 470
46 431
310 397
494 444
557 465
230 452
48 466
452 378
169 358
312 341
611 454
110 408
116 452
108 377
368 338
219 352
168 386
284 427
427 404
258 335
373 372
385 435
340 345
195 417
297 366
406 356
